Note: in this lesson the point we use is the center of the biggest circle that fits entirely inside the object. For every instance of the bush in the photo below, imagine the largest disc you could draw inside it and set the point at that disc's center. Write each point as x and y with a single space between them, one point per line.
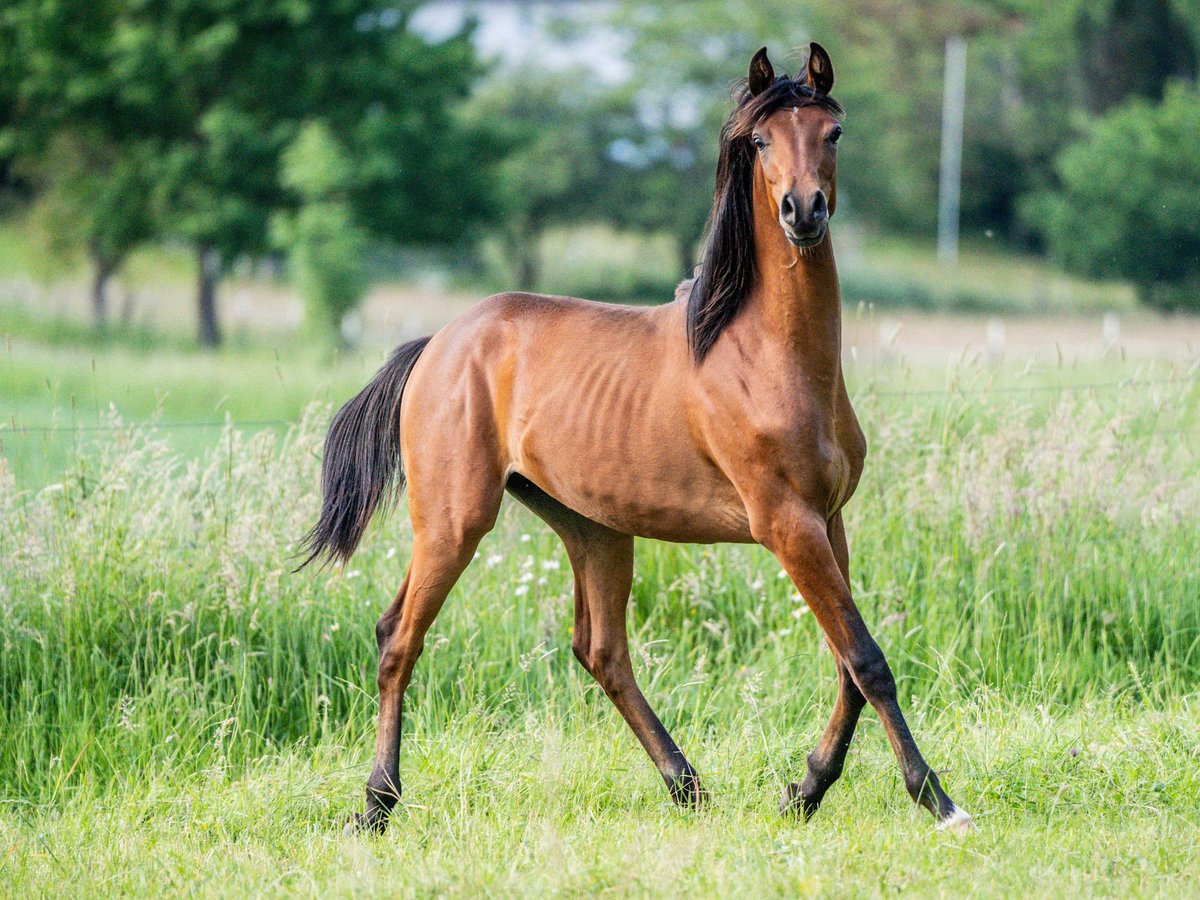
1128 205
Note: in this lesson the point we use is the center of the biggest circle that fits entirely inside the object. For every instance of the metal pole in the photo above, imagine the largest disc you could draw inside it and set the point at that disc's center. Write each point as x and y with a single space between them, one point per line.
950 183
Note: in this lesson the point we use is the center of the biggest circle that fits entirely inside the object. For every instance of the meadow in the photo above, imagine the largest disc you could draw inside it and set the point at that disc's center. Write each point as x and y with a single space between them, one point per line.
180 713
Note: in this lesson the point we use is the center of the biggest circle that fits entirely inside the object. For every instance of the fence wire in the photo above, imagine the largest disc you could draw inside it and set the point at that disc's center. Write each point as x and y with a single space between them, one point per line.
14 428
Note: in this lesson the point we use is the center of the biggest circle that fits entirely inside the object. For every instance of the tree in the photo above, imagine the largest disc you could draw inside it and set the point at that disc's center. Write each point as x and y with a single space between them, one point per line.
1128 205
95 196
326 246
555 135
685 58
1026 75
1132 48
218 90
888 55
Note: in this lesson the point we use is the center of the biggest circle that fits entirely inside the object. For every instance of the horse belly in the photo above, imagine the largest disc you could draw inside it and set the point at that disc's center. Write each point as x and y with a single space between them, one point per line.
648 497
621 454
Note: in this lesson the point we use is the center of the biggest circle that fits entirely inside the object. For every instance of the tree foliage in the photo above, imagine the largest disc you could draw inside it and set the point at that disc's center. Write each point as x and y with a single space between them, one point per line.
95 196
1128 206
554 129
216 91
326 246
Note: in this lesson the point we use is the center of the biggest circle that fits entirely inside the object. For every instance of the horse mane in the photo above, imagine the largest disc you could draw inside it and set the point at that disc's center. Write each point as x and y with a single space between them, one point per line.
727 272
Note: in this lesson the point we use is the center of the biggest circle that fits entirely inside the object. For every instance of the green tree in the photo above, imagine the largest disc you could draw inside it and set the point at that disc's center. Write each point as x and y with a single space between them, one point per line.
1128 205
326 246
95 197
1027 74
1132 48
888 57
686 57
555 132
218 90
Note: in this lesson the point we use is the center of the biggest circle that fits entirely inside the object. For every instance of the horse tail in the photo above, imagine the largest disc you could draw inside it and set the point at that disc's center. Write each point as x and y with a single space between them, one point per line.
362 470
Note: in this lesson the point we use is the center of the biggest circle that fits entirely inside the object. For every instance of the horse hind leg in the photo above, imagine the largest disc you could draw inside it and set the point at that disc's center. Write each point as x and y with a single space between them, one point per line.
441 551
602 561
826 761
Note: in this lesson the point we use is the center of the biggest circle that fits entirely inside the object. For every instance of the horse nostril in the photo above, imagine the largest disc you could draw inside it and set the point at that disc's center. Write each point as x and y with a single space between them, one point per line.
787 209
820 207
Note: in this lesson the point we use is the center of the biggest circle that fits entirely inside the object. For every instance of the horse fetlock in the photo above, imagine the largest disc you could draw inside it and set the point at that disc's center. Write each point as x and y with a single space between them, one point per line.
805 798
383 792
925 789
372 822
823 771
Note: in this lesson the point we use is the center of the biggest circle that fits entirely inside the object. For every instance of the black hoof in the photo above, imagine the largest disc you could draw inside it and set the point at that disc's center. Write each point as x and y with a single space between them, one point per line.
686 790
792 803
382 796
373 822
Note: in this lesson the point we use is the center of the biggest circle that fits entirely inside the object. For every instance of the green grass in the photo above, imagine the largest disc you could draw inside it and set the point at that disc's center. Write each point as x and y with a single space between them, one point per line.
59 384
181 714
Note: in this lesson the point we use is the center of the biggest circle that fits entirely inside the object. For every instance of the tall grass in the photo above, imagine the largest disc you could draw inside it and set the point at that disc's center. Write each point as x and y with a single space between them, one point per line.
151 623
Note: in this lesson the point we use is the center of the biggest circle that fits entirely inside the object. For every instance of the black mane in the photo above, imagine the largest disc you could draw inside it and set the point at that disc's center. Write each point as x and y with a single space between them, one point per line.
727 270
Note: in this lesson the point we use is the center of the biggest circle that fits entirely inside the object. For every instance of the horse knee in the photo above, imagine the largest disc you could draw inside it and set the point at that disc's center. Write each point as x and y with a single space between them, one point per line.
785 532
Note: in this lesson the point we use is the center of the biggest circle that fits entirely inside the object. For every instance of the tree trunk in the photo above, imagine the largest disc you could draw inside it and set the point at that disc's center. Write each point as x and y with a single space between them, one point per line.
102 270
525 245
209 263
527 267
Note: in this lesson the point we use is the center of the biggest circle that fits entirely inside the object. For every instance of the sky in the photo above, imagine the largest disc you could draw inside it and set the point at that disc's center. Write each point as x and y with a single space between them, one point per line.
517 31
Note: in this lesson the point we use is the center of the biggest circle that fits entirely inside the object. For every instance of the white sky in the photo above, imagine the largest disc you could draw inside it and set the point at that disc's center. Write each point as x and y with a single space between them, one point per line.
518 30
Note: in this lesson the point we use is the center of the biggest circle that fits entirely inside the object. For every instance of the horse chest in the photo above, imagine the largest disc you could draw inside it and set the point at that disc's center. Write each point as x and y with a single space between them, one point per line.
818 457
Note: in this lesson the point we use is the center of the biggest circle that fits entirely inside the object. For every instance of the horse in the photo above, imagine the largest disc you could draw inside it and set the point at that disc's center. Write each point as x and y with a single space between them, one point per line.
720 417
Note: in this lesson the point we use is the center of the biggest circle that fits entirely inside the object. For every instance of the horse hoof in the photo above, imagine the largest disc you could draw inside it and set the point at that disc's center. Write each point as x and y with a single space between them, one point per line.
958 823
792 803
686 791
365 823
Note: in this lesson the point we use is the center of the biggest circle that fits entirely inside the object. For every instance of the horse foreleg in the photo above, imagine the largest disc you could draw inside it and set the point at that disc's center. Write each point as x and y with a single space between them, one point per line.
826 761
799 539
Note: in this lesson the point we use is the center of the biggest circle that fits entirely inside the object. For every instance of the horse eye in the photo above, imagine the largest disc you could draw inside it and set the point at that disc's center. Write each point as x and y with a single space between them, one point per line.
835 135
758 142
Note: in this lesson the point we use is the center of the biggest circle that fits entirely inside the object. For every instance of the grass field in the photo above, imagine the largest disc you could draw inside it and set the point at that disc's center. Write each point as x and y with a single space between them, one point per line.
181 714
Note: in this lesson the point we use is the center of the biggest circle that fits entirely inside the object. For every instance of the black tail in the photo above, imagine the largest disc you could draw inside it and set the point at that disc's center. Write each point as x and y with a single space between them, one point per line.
362 469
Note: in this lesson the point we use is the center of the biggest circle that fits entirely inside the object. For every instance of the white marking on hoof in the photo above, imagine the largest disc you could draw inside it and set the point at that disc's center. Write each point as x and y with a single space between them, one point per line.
958 822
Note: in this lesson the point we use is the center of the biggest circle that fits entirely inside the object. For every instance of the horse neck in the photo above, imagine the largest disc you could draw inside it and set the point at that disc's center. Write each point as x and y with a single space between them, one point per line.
796 296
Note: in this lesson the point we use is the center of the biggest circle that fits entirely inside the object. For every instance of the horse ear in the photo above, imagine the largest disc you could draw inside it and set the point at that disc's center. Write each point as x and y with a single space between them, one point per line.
762 75
820 69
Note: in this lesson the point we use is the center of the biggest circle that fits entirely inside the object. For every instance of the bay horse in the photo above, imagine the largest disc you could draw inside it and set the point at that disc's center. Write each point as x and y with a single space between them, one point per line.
720 417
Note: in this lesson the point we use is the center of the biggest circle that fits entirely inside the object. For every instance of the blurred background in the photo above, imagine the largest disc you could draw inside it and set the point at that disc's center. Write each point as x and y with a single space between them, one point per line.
199 198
